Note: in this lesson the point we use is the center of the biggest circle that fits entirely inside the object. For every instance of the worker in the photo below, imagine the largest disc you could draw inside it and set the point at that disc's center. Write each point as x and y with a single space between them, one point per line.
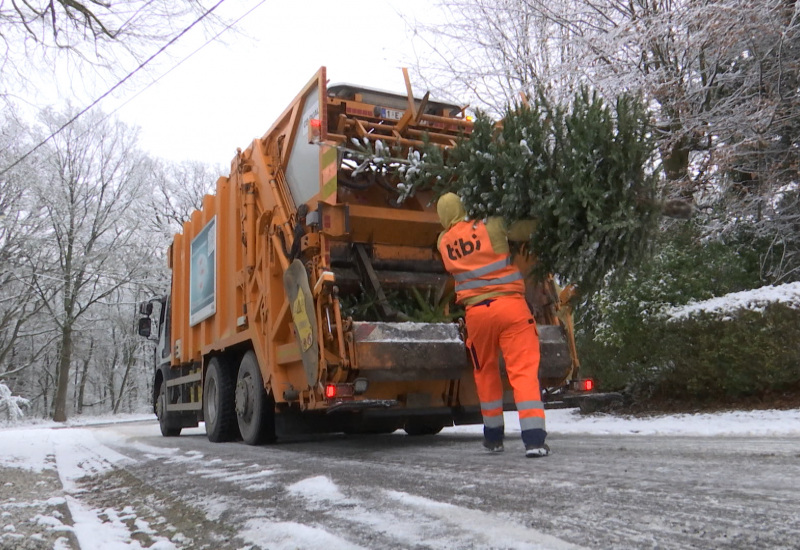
498 319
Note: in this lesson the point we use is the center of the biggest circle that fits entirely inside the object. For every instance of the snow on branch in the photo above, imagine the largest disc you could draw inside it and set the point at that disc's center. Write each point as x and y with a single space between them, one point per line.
10 405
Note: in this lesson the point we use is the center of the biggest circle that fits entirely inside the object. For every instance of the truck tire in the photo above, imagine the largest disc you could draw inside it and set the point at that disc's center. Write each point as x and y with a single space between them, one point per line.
255 409
167 424
218 402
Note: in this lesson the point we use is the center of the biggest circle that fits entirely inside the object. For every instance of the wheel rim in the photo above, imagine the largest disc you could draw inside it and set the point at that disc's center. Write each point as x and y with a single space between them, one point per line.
244 398
212 400
161 404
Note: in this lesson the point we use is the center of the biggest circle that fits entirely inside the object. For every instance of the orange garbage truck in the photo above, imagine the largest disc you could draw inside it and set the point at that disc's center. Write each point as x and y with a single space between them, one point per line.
307 298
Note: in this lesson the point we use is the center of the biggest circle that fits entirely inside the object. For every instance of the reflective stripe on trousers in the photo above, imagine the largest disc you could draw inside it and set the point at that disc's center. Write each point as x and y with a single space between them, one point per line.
492 412
531 415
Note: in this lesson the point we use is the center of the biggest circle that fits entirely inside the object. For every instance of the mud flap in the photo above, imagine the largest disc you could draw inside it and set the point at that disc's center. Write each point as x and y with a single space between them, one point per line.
298 291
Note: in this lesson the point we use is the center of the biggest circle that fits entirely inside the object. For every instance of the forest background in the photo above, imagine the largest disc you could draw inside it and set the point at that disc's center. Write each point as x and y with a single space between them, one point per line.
86 215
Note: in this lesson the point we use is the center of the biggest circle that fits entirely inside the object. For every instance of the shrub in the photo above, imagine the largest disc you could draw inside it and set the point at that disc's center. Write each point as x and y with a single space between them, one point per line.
624 342
706 358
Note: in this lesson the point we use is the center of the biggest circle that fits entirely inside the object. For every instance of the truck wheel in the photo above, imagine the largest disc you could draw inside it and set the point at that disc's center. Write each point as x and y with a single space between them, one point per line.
255 409
423 426
167 427
218 403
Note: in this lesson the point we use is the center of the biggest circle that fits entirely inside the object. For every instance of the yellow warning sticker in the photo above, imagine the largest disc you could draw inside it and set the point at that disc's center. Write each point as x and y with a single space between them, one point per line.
301 322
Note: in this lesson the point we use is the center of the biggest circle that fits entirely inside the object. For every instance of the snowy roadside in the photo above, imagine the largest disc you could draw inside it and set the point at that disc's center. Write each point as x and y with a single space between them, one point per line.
755 423
765 422
44 468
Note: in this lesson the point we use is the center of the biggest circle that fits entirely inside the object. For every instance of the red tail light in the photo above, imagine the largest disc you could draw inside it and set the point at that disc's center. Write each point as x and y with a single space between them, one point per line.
314 130
338 392
584 384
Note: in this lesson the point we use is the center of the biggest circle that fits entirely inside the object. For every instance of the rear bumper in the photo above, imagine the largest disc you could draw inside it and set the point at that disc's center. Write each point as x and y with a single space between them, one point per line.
399 352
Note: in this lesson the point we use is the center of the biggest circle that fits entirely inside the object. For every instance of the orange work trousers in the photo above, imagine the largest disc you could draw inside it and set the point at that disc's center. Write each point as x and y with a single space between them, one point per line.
506 324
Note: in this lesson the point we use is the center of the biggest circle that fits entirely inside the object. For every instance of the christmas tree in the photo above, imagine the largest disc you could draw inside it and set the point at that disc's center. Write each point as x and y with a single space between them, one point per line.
585 172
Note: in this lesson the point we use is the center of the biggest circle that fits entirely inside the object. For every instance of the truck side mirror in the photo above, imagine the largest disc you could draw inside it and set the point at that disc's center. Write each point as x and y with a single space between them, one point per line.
146 308
145 326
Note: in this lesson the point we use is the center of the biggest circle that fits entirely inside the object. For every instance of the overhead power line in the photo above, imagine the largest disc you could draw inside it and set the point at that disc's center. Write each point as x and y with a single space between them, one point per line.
114 87
185 59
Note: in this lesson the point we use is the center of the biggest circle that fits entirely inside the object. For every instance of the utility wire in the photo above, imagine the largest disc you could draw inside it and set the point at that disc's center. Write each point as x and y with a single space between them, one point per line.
185 59
114 87
178 64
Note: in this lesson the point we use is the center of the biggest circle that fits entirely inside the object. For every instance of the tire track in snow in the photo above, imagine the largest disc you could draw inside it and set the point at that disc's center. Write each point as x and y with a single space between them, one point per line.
403 520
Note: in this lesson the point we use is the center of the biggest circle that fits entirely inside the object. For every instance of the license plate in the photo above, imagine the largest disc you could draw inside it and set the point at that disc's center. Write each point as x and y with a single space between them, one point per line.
391 114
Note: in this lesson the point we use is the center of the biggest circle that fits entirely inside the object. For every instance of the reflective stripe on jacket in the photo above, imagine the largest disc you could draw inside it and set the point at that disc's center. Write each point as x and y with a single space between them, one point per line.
477 269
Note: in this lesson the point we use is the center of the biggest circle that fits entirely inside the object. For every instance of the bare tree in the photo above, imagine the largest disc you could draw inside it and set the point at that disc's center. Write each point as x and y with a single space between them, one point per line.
78 34
722 78
488 52
721 74
90 176
173 191
121 378
178 190
20 230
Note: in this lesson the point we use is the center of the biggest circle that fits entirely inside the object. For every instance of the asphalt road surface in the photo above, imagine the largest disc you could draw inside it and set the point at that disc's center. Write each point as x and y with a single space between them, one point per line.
445 491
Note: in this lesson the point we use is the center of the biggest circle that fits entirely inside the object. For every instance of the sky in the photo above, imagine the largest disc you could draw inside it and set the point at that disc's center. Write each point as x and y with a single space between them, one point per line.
232 90
78 452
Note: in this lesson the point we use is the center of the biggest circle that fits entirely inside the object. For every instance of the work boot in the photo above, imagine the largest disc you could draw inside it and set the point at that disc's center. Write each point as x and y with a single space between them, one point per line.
535 451
493 446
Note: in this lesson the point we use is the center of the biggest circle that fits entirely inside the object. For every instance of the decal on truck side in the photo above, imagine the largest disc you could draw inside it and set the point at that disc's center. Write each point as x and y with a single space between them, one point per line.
203 274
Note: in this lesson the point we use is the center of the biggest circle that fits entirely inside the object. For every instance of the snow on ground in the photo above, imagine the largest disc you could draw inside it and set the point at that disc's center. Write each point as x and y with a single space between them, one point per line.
734 423
74 452
754 300
286 535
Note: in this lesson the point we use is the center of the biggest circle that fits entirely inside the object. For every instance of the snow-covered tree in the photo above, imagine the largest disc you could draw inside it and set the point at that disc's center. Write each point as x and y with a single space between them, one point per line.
85 38
178 190
89 177
11 405
783 261
720 77
20 230
84 227
720 73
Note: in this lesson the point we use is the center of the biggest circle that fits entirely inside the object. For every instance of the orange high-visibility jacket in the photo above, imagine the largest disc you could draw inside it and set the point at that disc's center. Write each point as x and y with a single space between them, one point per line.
452 213
477 268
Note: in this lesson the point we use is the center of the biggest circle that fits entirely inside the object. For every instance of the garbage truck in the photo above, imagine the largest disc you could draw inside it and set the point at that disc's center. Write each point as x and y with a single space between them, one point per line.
307 294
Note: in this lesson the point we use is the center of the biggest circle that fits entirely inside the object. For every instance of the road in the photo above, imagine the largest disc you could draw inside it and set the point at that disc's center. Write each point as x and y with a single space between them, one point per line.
445 492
